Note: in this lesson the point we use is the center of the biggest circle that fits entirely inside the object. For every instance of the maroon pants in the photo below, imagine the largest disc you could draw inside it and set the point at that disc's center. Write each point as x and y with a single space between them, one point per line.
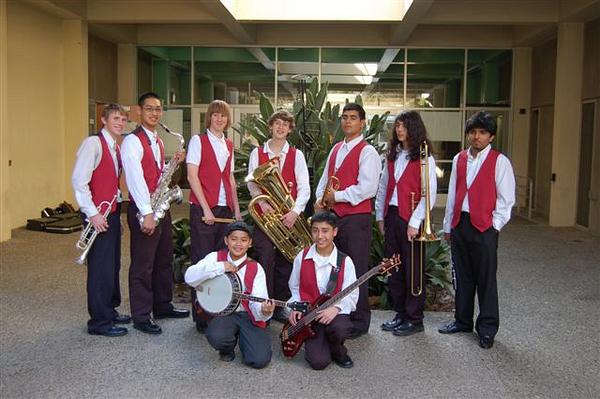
408 306
151 273
277 268
328 343
354 239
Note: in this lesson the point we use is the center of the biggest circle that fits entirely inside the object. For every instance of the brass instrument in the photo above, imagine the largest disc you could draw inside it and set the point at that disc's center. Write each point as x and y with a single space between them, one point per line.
333 184
289 241
427 234
164 195
89 234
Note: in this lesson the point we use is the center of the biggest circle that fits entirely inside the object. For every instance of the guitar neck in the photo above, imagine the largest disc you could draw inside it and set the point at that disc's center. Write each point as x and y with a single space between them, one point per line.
258 299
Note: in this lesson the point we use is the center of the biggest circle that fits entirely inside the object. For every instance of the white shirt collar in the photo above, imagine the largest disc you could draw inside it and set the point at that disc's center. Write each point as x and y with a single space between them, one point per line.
331 259
109 140
352 143
481 155
214 136
268 150
236 262
151 135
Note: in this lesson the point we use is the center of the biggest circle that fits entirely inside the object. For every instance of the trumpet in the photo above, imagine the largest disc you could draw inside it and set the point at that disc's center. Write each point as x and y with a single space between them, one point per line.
333 184
89 234
427 234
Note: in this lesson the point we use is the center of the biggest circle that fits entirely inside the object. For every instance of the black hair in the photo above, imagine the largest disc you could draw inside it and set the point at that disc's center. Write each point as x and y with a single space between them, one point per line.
238 225
417 134
481 120
325 216
147 95
356 107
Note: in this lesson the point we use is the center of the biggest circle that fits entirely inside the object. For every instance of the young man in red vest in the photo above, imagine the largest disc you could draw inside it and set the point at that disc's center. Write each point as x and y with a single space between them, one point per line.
95 182
319 269
210 165
150 274
356 165
248 323
399 211
294 171
481 194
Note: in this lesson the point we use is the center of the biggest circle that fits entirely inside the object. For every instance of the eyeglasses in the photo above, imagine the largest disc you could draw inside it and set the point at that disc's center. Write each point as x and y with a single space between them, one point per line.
150 110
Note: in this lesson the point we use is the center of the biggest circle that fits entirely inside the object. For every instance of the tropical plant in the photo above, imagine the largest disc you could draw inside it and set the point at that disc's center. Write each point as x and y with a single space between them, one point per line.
181 248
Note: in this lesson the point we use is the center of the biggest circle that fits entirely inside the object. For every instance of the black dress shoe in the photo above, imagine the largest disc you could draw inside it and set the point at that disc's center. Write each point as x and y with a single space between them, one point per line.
122 319
173 314
453 328
486 341
407 328
344 362
148 327
227 356
114 331
393 323
355 333
201 326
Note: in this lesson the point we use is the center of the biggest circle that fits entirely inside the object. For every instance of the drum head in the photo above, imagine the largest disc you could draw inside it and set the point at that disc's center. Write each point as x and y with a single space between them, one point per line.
215 295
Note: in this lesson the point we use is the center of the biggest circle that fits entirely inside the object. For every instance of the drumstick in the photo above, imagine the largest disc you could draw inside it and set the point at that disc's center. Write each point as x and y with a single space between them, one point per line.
220 220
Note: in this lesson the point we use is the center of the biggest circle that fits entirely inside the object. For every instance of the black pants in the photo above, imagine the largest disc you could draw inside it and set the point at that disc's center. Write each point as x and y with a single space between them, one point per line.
354 239
104 264
408 306
328 342
223 333
204 238
277 268
151 271
474 254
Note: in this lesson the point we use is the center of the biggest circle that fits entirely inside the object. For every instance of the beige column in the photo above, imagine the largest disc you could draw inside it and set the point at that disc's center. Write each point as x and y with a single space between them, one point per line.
76 112
5 233
126 73
567 121
521 113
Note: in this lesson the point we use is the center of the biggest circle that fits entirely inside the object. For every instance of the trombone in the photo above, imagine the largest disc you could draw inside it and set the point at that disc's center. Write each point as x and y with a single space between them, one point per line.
89 234
427 234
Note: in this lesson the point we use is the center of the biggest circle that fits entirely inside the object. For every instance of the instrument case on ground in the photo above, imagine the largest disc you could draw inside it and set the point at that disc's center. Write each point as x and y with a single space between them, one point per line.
64 223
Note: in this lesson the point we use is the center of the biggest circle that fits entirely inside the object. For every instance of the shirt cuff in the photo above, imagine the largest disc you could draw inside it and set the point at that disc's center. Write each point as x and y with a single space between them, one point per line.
415 222
145 210
340 197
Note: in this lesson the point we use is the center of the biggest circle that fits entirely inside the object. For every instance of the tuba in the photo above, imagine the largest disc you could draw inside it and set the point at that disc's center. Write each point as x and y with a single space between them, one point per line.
277 194
164 195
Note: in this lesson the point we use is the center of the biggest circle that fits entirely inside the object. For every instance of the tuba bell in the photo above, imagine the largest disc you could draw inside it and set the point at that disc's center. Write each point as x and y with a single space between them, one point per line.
277 194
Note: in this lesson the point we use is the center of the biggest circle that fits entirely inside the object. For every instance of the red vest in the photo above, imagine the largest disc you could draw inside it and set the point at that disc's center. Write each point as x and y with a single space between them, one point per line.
251 271
482 193
151 170
348 176
104 184
309 289
211 176
409 182
288 172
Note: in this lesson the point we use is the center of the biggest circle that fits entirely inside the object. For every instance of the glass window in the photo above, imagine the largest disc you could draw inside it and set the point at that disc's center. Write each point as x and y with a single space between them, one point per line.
234 75
489 77
167 72
434 78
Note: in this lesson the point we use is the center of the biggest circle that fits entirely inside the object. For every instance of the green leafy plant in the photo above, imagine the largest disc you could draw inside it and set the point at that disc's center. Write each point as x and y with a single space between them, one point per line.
181 248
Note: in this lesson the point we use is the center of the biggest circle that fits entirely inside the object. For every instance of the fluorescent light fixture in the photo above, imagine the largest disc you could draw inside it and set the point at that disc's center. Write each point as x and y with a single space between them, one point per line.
317 10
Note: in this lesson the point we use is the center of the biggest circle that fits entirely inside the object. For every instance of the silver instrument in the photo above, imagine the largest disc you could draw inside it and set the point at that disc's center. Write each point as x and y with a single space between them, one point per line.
89 234
163 196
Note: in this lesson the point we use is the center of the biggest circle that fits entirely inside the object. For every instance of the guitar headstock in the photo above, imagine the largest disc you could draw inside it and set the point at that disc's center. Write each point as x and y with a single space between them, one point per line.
388 263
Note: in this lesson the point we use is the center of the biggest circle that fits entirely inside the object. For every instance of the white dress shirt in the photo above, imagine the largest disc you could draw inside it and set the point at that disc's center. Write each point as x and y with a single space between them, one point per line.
219 145
399 167
300 170
209 268
88 159
505 188
323 267
132 153
369 165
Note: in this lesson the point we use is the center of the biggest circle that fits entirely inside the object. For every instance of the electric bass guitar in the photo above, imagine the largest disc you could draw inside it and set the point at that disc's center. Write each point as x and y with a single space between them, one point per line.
292 337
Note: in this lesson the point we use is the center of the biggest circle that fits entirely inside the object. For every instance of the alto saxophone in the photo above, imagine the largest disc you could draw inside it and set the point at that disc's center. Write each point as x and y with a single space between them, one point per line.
164 195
